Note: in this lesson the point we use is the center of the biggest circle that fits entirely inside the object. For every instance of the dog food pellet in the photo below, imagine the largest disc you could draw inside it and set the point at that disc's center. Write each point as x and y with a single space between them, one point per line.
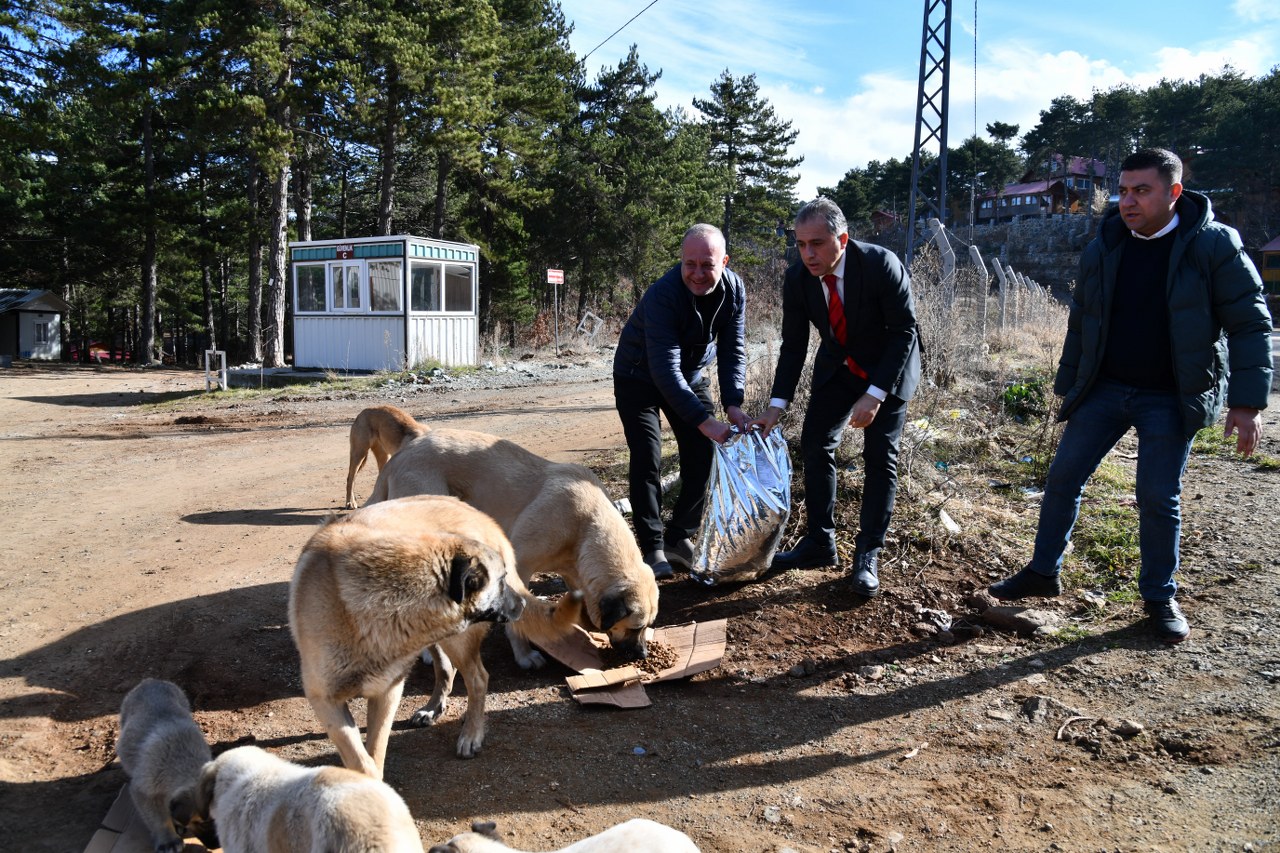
661 656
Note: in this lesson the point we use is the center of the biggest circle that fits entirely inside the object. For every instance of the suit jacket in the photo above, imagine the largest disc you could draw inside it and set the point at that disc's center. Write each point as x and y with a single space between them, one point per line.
880 323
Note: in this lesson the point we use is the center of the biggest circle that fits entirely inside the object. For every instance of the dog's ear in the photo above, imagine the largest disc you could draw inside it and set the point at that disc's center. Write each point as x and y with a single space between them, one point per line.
487 828
203 792
613 609
183 808
466 576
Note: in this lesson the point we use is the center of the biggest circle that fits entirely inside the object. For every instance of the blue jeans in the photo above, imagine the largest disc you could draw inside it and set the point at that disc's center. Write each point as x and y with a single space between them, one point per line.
1101 419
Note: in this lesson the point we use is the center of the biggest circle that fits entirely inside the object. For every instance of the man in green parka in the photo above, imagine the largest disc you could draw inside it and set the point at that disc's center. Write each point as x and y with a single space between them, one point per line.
1168 323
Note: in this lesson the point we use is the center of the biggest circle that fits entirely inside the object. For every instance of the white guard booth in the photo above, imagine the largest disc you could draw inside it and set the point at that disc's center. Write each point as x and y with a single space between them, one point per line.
30 324
384 303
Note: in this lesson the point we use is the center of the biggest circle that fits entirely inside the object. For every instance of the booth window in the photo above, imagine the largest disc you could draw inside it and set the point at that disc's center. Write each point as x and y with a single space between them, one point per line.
346 287
457 288
42 333
424 287
308 279
384 285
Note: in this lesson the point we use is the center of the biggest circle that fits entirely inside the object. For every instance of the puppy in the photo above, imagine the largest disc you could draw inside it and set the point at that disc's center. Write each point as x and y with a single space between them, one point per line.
558 518
635 836
372 589
263 803
162 751
381 429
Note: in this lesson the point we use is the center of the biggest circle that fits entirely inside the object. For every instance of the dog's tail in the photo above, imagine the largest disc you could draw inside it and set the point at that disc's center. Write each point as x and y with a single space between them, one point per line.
548 621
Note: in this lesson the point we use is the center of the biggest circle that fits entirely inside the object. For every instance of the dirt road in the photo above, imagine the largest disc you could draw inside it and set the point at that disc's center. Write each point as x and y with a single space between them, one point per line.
143 540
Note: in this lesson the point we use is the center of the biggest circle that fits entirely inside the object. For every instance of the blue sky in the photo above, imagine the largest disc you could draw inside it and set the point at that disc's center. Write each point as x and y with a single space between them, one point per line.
844 72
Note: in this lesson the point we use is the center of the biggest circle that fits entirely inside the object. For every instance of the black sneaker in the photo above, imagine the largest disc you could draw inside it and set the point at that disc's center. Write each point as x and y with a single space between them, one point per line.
657 561
1167 621
680 553
1026 584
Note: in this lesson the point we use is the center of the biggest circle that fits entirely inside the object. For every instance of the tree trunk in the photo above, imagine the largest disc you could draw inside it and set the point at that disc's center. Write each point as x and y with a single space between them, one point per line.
442 188
302 190
254 332
224 275
206 260
144 352
342 198
277 253
390 135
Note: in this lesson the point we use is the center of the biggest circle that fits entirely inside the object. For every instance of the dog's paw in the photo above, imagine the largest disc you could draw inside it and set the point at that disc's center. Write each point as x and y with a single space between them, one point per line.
532 660
175 846
425 716
469 746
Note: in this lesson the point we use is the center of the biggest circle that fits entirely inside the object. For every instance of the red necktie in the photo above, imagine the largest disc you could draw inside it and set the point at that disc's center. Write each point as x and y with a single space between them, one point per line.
835 314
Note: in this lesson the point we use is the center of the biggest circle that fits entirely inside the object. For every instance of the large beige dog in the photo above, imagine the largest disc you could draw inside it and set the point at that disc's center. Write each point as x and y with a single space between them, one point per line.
263 803
162 750
374 588
635 836
556 514
380 429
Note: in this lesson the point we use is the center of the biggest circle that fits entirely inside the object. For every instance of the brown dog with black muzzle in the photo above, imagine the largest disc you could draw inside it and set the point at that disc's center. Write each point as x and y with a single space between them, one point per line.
374 588
557 516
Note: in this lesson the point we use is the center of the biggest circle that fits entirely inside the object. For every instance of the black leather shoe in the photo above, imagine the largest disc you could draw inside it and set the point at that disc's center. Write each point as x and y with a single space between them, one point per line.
1026 584
806 555
866 580
1167 621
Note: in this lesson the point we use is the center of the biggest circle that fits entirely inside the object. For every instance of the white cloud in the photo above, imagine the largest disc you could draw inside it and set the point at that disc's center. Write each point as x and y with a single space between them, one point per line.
1257 10
877 123
1250 56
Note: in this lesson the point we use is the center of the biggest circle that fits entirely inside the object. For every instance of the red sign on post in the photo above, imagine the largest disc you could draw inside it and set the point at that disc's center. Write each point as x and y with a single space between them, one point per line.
555 276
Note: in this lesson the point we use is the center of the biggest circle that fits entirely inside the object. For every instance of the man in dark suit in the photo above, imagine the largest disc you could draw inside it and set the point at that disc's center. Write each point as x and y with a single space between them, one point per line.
858 297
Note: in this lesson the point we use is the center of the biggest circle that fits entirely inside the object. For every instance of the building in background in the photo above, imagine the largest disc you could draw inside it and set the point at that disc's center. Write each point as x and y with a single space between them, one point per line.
384 303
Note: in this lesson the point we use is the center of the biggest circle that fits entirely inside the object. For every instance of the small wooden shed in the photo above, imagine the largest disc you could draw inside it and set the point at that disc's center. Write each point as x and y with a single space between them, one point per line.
384 303
31 324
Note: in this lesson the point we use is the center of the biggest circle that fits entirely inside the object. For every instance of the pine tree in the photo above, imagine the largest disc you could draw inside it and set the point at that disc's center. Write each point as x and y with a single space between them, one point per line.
750 144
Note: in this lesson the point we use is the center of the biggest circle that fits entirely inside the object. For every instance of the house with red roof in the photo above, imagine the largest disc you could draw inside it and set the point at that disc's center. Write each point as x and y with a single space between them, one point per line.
1060 185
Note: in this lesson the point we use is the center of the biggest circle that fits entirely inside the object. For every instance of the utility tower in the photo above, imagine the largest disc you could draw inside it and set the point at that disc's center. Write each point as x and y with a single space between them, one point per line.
931 120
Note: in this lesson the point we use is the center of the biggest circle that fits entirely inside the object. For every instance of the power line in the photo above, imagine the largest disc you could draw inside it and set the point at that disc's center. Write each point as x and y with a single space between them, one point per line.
618 30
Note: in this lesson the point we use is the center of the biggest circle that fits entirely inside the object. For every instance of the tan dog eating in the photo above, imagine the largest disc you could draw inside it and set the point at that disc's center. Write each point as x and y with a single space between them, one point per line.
557 516
374 588
261 802
380 430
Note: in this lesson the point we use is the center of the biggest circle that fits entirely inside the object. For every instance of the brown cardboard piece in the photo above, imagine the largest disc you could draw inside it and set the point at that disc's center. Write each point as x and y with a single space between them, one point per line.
698 646
122 831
